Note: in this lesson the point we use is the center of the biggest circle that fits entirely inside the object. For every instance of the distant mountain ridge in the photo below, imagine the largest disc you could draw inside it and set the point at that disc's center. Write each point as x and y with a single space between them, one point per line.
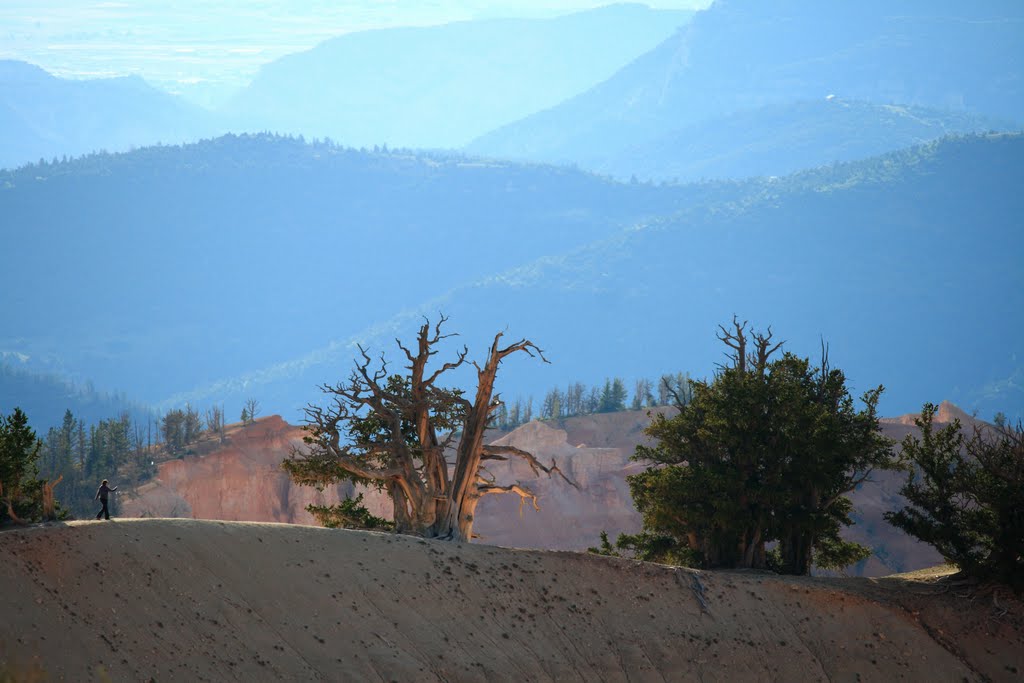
433 87
442 86
171 248
780 139
888 260
251 266
745 54
42 116
829 247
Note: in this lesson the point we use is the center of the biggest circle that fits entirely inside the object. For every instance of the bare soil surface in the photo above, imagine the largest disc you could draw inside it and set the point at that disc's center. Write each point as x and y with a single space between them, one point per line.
189 600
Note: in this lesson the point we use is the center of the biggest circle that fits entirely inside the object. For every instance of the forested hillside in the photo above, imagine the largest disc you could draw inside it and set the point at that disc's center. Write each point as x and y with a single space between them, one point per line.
173 266
781 139
907 265
249 266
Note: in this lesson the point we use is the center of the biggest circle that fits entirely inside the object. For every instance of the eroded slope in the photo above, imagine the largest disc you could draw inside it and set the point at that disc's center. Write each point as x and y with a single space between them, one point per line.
194 600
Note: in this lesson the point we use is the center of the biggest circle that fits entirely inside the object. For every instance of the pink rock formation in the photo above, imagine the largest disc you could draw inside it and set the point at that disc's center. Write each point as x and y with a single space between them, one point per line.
242 480
570 518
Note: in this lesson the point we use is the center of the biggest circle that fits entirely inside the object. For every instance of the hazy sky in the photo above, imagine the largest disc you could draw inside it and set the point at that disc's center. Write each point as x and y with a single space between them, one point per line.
204 48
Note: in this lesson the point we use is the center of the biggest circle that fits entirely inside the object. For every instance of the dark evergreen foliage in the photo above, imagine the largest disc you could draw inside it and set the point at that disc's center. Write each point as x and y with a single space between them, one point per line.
349 514
122 449
180 428
765 451
21 489
966 496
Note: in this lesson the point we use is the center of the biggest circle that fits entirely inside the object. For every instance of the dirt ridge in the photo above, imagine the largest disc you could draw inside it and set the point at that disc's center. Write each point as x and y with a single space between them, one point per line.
190 600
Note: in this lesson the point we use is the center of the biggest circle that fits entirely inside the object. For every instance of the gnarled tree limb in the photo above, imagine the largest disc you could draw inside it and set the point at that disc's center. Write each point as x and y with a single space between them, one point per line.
10 508
49 504
518 489
493 452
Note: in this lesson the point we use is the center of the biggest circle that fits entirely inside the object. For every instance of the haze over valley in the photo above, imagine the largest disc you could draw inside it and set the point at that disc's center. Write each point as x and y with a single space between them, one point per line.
191 254
224 222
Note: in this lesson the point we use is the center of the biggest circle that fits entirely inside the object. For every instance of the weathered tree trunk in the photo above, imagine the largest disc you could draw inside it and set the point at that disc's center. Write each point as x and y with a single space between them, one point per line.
796 548
464 493
467 485
754 551
49 504
10 507
797 542
397 422
400 508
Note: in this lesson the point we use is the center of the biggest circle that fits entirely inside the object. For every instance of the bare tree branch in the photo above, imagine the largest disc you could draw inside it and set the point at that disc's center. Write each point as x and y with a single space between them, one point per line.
736 340
49 504
493 452
518 489
447 366
763 350
672 391
522 345
437 330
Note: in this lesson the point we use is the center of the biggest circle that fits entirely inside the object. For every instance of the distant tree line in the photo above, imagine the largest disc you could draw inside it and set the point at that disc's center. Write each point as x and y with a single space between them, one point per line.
117 448
123 449
259 146
579 399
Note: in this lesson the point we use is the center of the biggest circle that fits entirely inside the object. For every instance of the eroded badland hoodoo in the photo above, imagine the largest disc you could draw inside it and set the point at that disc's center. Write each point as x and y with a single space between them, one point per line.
187 600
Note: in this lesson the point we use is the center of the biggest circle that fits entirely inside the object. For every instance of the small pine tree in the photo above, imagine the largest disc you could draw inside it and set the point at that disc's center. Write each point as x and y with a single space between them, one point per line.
965 497
21 490
765 451
619 395
349 514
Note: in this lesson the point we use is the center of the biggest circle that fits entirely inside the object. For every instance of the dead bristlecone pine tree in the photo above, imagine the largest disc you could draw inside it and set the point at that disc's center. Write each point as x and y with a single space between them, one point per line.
395 431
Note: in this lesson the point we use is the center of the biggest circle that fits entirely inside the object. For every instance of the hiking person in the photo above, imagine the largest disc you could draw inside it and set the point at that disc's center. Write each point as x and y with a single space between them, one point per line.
102 495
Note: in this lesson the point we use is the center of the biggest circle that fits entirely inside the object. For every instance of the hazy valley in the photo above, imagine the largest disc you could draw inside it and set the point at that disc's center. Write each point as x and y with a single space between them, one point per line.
222 227
271 239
